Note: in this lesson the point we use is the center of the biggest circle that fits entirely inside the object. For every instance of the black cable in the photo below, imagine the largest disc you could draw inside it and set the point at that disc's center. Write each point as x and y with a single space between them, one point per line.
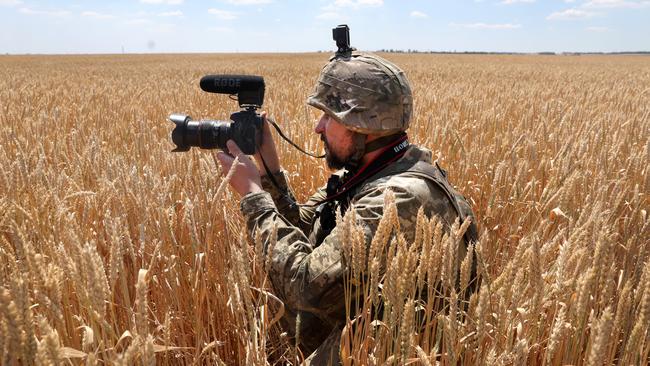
268 171
277 128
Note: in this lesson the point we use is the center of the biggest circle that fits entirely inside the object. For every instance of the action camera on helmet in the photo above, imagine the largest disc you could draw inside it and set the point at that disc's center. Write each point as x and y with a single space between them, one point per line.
341 35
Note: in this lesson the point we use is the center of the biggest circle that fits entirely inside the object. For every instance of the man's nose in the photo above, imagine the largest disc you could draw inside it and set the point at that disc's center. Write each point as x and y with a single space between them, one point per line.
320 124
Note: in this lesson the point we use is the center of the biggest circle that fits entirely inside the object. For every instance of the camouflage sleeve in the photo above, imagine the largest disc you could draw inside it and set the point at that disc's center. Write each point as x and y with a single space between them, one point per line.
310 278
285 200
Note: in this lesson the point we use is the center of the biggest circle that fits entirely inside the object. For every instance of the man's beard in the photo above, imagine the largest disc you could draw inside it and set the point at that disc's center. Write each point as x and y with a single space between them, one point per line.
333 161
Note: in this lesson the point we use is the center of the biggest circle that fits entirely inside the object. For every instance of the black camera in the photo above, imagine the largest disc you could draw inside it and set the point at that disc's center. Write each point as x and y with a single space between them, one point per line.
245 127
341 35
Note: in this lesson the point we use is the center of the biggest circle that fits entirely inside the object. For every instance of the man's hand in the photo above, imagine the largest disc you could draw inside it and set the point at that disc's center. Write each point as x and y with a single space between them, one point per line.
246 177
267 150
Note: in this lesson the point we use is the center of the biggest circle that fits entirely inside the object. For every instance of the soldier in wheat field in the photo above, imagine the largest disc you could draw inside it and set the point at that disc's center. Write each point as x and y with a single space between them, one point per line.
366 105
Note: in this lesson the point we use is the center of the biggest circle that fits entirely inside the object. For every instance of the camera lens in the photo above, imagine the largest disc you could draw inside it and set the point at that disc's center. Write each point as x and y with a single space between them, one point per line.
203 134
214 134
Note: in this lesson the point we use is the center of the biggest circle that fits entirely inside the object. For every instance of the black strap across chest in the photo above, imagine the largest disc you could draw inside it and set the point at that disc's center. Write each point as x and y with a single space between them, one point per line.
340 189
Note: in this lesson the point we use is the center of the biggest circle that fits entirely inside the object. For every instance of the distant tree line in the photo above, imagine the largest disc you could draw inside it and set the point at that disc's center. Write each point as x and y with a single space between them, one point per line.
390 50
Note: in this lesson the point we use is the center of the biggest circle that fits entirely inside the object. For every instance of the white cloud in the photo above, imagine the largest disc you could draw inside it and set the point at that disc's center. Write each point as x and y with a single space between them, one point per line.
163 28
222 14
221 29
249 2
138 21
570 14
96 15
176 13
585 10
329 15
344 6
51 13
418 14
609 4
486 25
10 2
510 2
168 2
597 29
356 4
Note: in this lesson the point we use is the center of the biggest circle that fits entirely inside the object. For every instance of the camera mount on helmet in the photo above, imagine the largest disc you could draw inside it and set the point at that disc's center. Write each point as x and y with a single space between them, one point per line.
341 35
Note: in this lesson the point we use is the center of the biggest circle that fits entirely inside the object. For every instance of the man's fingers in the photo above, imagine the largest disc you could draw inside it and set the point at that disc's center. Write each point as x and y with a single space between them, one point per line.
225 161
233 148
266 125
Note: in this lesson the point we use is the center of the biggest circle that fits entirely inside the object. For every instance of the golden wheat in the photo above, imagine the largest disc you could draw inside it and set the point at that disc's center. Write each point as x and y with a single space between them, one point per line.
115 251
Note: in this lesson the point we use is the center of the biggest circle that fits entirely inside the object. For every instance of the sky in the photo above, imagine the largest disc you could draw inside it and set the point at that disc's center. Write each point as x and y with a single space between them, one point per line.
178 26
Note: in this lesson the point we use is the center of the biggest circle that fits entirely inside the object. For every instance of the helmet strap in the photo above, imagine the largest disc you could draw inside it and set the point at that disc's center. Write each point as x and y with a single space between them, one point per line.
383 141
359 142
361 147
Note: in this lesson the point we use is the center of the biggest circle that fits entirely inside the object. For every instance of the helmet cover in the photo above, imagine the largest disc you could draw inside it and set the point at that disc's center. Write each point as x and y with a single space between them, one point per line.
364 92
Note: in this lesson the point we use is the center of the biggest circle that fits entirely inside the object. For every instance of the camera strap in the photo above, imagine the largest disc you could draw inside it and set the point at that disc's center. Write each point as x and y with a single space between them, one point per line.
392 148
338 187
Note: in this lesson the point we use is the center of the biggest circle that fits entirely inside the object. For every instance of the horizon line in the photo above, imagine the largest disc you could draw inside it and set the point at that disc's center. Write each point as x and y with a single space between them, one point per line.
542 53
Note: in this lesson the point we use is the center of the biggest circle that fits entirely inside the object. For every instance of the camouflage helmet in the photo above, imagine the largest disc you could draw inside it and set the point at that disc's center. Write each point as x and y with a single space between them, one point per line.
364 92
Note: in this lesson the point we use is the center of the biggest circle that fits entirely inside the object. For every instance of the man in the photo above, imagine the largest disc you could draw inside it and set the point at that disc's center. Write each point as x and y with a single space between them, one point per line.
366 103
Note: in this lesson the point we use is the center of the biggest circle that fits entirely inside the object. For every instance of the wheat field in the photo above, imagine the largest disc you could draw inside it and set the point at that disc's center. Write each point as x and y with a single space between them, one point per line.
113 250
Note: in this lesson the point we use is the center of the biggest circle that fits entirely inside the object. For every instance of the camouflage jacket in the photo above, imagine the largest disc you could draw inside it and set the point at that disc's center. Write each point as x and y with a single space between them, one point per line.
306 267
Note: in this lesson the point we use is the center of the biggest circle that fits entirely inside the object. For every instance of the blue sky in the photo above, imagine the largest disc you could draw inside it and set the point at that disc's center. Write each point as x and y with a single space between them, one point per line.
90 26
